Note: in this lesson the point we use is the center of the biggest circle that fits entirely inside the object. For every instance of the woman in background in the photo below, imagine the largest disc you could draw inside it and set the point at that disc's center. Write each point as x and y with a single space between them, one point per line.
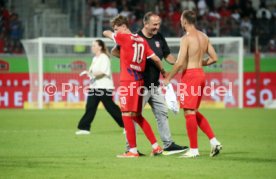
101 88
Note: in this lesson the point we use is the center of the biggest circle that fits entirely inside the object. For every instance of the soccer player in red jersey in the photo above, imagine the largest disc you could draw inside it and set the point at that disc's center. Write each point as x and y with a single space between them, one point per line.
193 46
133 53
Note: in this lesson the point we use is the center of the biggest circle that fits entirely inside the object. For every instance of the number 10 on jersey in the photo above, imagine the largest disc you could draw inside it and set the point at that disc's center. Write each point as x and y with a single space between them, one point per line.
138 52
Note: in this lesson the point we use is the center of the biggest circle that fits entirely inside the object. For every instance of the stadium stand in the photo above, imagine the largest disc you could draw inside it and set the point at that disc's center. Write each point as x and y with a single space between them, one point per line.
60 18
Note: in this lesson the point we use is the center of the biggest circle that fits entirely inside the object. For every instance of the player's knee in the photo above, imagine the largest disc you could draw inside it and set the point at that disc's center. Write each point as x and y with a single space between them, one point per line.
130 114
189 111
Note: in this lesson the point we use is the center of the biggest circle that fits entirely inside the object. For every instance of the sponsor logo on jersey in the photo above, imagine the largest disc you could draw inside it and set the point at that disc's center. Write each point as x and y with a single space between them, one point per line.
135 67
157 44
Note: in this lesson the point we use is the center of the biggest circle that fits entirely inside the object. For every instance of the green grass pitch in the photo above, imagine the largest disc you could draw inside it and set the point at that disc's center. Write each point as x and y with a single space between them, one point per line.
42 144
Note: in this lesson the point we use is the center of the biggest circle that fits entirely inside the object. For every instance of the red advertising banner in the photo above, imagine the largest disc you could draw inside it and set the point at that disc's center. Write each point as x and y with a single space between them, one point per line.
14 88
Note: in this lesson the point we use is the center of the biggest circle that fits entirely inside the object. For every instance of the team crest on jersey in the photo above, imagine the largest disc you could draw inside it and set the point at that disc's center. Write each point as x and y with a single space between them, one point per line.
157 44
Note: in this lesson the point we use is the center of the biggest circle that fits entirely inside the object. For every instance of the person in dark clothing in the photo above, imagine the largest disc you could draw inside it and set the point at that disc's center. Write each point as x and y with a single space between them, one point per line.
101 88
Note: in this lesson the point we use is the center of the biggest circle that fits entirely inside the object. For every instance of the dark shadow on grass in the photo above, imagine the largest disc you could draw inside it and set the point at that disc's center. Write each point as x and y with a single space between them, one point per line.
41 157
240 156
38 164
234 153
108 132
226 153
248 159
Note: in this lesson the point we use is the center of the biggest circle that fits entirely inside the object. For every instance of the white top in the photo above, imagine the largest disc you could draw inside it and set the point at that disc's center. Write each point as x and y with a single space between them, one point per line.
102 64
171 99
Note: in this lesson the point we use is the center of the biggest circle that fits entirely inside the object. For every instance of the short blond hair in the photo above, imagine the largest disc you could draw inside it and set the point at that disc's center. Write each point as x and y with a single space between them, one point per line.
190 16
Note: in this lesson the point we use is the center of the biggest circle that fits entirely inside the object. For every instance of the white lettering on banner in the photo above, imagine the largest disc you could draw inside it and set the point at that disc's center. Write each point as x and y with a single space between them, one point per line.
263 94
30 97
14 88
208 90
15 83
226 82
266 81
45 82
75 82
18 101
250 81
86 82
4 98
66 88
229 98
214 96
8 82
221 91
182 89
25 82
72 98
250 95
214 81
58 96
46 98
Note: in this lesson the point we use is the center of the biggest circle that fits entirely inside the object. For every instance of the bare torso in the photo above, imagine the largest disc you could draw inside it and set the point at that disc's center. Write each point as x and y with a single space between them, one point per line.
197 48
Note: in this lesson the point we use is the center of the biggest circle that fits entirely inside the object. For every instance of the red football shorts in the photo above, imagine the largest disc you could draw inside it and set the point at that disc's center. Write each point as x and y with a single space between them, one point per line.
130 93
192 85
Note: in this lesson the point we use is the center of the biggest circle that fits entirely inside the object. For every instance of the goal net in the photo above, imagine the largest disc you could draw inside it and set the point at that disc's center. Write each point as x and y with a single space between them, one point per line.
55 65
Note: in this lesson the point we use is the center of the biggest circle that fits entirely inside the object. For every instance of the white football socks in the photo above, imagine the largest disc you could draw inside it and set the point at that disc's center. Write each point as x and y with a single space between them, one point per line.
133 150
155 145
194 151
214 141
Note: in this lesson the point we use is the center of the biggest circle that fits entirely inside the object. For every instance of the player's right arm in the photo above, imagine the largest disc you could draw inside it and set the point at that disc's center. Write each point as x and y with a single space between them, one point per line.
182 59
212 55
117 38
108 34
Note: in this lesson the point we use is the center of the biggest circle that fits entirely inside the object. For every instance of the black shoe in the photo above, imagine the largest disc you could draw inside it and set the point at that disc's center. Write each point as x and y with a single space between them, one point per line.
174 149
215 150
140 154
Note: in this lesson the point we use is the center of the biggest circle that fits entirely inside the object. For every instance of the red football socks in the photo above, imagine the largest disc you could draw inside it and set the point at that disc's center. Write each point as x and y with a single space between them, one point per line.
204 125
143 123
191 126
130 130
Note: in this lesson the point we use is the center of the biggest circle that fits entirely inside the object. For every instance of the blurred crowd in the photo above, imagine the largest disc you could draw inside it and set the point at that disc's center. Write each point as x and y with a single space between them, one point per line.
215 17
11 31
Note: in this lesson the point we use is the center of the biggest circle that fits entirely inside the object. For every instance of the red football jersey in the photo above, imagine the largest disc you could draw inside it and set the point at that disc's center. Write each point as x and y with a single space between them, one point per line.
134 50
